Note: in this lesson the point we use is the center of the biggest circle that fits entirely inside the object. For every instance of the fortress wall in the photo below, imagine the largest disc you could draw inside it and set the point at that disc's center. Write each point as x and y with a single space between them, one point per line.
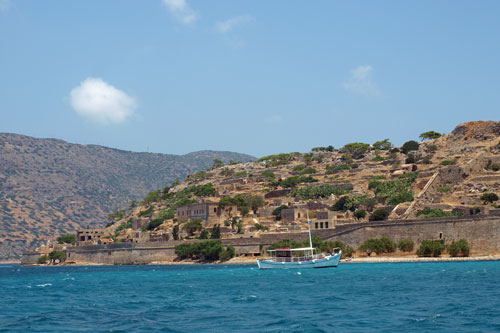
483 234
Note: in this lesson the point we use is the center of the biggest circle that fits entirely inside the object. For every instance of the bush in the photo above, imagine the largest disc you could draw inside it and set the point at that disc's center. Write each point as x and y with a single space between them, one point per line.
347 250
277 211
331 169
42 260
379 215
227 253
377 158
489 198
57 255
378 245
215 232
259 226
66 239
148 212
394 191
409 146
428 212
123 226
268 175
459 248
323 191
209 250
360 213
405 245
192 226
495 167
444 189
346 203
448 162
430 248
275 160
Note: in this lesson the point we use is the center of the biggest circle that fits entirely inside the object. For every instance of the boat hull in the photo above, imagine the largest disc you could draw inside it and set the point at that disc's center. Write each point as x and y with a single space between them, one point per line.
328 261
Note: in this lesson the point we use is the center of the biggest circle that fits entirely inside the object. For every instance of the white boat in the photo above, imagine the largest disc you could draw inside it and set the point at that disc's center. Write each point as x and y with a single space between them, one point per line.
305 257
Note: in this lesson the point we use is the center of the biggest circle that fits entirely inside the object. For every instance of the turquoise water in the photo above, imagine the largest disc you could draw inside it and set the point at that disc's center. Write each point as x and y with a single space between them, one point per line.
353 297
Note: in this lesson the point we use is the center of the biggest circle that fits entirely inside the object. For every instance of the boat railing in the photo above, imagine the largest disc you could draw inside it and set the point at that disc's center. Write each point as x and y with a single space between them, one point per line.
298 259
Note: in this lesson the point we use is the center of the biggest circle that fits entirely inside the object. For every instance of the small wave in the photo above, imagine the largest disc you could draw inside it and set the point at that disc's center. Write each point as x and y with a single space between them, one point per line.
44 285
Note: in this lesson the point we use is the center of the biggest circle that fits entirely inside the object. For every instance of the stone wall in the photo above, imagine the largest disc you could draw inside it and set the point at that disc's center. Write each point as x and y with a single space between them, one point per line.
482 233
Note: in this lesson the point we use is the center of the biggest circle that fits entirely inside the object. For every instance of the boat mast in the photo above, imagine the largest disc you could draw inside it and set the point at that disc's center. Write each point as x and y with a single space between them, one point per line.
309 227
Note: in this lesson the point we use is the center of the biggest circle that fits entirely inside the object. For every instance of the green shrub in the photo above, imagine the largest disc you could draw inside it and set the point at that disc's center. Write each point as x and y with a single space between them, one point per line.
42 260
148 212
204 234
268 175
394 191
426 160
495 167
445 189
331 169
209 250
227 253
66 239
192 226
448 162
347 250
379 215
323 191
298 168
57 255
377 158
432 147
308 171
459 248
428 212
489 198
123 226
153 196
409 146
277 211
215 232
430 248
276 160
378 245
360 213
346 203
259 226
240 174
405 245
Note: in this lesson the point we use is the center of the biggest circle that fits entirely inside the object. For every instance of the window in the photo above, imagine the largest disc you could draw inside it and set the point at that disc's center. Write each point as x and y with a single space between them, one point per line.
215 210
326 225
321 225
440 235
298 215
316 225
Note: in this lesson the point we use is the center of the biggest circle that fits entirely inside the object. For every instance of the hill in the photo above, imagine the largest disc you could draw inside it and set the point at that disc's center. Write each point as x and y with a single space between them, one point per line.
442 175
50 187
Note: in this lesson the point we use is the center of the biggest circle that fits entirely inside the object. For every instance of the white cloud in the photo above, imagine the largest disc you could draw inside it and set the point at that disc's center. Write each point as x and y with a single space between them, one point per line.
360 82
230 24
4 5
181 11
101 102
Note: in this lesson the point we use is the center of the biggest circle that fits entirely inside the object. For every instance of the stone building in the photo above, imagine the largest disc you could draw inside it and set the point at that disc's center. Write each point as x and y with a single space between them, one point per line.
88 236
208 212
324 220
293 215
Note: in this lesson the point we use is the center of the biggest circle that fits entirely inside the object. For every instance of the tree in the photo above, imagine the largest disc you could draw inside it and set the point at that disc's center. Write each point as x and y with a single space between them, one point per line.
175 232
356 149
383 145
66 239
277 211
409 146
457 248
489 197
57 255
430 248
192 226
204 234
217 163
379 215
215 232
429 135
254 202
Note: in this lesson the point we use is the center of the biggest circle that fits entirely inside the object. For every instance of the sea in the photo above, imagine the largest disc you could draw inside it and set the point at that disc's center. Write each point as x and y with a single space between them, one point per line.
381 297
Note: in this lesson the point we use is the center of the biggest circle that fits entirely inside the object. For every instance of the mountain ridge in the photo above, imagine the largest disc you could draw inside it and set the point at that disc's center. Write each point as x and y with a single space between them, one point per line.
50 186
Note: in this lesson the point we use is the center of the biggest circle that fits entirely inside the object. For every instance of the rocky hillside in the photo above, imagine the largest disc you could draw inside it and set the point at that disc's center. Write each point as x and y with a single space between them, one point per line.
434 176
50 187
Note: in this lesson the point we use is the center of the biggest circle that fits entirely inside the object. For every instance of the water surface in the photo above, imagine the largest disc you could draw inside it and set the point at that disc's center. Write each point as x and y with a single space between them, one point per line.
452 296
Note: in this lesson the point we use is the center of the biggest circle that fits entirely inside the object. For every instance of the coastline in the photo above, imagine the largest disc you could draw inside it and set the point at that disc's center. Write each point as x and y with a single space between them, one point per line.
252 260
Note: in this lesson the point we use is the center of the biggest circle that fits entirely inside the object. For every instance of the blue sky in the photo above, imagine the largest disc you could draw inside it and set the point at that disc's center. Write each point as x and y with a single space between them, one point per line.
256 77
